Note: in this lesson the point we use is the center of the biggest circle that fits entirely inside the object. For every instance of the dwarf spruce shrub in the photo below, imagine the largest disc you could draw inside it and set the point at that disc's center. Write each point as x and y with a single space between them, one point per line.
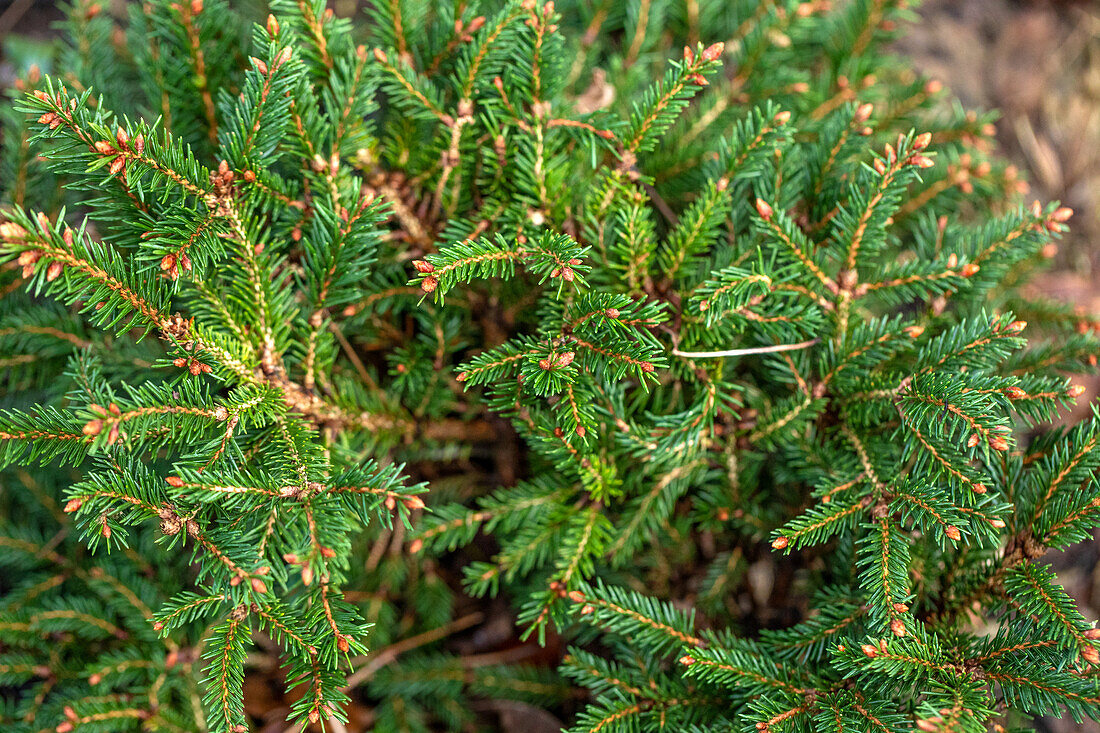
686 338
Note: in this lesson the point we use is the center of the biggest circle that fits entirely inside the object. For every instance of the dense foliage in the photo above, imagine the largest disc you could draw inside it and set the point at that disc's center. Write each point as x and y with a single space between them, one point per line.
327 342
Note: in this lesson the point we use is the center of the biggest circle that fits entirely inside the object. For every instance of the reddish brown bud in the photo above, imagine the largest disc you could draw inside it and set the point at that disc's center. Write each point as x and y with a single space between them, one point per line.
64 727
328 552
173 481
764 209
429 284
73 504
1015 327
969 269
380 56
414 502
922 141
997 442
10 231
897 626
92 427
1076 390
880 166
1090 655
869 650
782 118
780 543
416 546
689 55
139 144
1015 393
922 161
997 523
714 51
914 331
1062 214
259 586
587 609
687 660
1092 634
342 643
953 532
259 64
272 26
423 266
901 608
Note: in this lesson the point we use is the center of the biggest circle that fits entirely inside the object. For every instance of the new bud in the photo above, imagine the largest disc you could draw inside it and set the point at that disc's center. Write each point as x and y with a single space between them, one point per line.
764 209
953 532
714 51
780 543
1062 214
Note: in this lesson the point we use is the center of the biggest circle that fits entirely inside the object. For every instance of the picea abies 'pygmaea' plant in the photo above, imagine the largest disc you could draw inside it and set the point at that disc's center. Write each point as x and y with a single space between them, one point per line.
342 334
